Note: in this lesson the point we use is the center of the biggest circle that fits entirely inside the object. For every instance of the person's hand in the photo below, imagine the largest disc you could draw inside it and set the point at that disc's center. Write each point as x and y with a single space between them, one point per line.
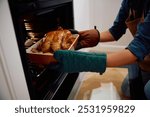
76 61
88 38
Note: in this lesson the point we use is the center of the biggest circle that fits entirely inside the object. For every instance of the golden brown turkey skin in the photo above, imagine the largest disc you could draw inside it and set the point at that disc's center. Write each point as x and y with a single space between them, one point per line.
55 40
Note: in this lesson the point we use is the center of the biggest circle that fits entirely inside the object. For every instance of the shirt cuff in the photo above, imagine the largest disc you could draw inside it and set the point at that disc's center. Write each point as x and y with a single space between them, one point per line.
136 51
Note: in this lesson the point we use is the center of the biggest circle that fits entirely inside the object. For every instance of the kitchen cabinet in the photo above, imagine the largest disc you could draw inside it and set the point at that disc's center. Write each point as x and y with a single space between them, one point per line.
11 72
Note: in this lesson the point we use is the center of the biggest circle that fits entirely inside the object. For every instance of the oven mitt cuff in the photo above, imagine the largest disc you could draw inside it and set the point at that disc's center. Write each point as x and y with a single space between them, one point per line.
75 61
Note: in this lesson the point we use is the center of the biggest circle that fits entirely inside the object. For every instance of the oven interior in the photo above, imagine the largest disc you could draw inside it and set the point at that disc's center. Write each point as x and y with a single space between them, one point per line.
32 19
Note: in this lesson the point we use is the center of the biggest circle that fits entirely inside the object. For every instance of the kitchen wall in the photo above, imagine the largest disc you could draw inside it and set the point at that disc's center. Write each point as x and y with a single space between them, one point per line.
82 14
100 13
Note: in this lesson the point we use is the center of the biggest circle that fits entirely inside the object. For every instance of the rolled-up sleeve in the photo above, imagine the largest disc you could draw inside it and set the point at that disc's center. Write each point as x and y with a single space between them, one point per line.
119 27
140 46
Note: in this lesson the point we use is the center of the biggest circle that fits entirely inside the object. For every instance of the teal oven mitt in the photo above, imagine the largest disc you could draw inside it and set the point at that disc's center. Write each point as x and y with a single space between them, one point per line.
76 61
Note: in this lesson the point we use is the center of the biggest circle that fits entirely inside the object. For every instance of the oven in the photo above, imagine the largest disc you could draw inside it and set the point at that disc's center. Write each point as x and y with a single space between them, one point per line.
31 20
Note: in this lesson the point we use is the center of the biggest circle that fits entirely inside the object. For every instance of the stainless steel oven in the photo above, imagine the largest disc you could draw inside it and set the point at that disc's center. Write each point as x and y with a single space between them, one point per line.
31 20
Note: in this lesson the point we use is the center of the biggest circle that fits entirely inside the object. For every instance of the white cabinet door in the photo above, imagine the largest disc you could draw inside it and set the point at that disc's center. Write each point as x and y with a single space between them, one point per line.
12 79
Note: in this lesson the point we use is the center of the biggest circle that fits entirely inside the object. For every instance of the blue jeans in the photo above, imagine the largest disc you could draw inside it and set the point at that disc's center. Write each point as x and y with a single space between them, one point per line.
135 85
146 81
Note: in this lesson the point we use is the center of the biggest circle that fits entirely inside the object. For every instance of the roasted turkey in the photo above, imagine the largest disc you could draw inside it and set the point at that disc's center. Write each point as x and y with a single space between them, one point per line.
55 40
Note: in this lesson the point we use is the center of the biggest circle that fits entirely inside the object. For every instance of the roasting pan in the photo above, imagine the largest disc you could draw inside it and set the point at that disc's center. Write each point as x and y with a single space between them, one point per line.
46 58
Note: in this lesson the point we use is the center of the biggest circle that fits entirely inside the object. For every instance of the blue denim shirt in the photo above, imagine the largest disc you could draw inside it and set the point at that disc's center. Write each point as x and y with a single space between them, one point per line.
140 46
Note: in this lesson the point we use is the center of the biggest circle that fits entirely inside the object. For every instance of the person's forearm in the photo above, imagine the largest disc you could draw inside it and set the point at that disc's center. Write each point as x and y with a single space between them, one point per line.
106 36
120 58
